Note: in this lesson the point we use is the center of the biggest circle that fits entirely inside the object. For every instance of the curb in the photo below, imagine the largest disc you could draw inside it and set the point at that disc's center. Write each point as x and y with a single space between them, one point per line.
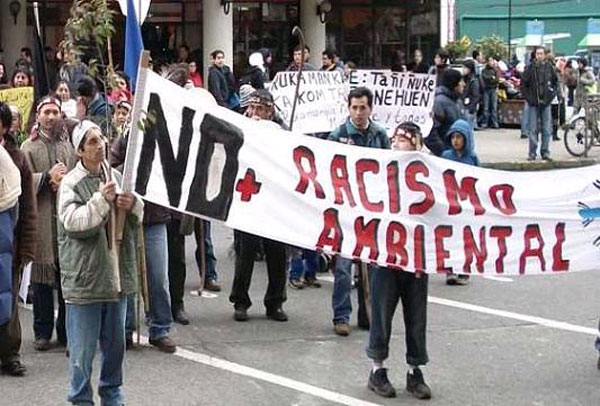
526 166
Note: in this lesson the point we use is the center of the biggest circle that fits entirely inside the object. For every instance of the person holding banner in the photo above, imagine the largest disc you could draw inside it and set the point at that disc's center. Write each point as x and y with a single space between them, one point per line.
359 130
50 156
388 287
261 108
98 271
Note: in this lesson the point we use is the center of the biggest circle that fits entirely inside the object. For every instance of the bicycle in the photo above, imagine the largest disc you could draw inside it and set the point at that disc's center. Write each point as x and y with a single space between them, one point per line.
583 131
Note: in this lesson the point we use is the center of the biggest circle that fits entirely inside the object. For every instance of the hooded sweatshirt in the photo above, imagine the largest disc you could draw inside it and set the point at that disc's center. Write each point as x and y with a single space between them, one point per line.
467 155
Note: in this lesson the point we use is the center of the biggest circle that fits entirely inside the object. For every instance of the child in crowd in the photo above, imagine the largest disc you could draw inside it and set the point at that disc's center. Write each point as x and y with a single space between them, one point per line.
390 286
463 151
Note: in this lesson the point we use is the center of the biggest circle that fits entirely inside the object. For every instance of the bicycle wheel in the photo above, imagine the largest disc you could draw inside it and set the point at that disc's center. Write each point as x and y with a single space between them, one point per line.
578 138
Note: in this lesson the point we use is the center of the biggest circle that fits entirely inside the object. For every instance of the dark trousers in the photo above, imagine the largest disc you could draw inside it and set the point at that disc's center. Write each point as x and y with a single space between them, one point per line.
10 333
388 287
248 244
43 311
176 244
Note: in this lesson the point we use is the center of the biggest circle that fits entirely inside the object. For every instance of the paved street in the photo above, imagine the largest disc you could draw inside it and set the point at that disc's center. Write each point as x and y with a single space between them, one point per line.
495 354
505 149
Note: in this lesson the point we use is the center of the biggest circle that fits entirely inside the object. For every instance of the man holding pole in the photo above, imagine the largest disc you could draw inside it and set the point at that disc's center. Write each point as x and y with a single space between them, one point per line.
98 272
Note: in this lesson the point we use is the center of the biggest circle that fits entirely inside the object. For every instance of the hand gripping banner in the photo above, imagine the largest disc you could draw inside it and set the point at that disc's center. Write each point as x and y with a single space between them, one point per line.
409 211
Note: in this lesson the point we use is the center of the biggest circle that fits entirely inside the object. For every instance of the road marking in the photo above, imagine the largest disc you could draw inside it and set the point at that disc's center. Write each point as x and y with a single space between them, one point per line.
497 278
205 294
516 316
254 373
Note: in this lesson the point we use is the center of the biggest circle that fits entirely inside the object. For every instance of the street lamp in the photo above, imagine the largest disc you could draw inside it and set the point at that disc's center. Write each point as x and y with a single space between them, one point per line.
323 9
14 7
226 6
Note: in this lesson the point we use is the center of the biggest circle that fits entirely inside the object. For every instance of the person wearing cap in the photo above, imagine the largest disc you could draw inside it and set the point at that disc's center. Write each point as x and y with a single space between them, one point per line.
97 271
359 129
447 108
388 287
261 108
50 156
24 245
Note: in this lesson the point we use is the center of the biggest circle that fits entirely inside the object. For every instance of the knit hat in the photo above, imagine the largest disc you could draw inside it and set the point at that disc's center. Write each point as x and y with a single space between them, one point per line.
245 93
450 78
81 130
263 97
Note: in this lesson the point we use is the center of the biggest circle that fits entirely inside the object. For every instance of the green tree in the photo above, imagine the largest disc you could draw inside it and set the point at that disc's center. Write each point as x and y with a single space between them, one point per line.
493 45
88 34
459 49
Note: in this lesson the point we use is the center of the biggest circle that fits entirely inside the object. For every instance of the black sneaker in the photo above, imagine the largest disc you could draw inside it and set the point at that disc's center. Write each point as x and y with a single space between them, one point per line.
240 314
277 314
415 384
547 158
379 383
531 158
14 368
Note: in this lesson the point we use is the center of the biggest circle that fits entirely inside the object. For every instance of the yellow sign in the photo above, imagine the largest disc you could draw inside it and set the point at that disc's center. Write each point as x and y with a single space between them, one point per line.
22 98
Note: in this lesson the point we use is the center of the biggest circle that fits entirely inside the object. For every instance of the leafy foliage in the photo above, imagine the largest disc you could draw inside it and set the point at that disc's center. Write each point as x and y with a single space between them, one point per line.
87 33
493 45
459 49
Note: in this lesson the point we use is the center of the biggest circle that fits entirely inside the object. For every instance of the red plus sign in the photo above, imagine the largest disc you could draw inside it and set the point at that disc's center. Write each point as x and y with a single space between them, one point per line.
248 186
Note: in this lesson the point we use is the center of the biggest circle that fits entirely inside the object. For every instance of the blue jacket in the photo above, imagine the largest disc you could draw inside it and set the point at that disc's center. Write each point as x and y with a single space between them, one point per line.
6 262
468 155
374 137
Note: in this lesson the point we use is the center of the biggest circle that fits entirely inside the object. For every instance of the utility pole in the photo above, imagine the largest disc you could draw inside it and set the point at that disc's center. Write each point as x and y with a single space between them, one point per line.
509 28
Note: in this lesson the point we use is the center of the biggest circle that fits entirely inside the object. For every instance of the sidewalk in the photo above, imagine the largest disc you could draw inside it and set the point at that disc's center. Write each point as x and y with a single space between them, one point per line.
504 149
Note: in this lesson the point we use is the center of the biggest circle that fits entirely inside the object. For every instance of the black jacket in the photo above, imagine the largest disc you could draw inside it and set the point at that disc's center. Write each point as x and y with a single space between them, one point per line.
540 84
472 93
221 84
489 77
254 77
447 108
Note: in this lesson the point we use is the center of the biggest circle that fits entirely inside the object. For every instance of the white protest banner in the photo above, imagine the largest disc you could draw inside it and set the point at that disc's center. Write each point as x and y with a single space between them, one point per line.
398 97
322 100
404 210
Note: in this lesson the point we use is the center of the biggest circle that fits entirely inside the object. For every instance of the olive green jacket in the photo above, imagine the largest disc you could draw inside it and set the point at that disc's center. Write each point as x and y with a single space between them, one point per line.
91 270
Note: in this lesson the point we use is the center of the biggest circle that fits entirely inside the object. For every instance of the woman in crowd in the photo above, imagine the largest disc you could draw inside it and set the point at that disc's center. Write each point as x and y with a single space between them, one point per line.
195 76
69 105
21 77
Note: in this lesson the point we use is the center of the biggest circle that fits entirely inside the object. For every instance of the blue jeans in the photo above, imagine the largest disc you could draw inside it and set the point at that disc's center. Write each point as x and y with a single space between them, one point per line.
542 113
525 120
209 252
157 262
302 262
490 109
86 325
388 287
342 288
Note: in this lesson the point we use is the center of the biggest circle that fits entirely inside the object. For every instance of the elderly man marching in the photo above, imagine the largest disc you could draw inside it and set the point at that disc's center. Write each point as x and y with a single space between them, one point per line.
97 272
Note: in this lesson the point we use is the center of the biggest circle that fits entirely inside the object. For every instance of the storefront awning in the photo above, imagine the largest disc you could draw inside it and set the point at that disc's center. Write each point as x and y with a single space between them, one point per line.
590 40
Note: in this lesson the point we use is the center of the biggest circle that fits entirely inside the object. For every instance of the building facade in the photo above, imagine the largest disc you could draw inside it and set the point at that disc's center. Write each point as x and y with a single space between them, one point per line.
371 33
477 18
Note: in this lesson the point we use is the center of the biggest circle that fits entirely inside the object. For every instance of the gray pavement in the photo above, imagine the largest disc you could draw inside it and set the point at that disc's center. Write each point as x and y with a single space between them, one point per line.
477 358
504 149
